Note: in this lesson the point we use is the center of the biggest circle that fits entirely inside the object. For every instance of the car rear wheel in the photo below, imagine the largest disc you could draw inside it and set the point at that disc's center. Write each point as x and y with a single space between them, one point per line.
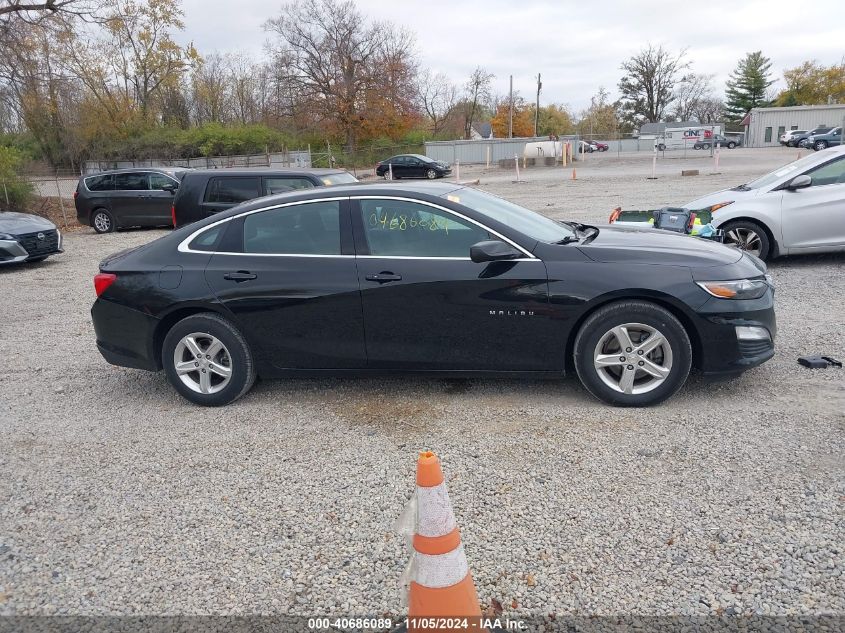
632 354
820 145
207 360
731 145
747 236
661 147
431 174
102 221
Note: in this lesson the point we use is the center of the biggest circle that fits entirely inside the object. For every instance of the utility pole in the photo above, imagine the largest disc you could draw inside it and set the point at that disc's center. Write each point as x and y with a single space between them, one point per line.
537 108
510 111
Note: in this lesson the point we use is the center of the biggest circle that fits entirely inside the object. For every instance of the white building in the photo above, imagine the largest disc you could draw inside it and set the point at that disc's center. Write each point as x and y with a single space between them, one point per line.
767 124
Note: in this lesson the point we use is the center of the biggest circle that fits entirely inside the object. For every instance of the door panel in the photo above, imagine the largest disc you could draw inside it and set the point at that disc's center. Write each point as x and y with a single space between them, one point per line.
814 217
129 198
428 306
296 297
157 205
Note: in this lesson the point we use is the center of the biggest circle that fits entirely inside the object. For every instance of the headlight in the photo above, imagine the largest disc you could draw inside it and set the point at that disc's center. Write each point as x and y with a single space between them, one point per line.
715 207
737 289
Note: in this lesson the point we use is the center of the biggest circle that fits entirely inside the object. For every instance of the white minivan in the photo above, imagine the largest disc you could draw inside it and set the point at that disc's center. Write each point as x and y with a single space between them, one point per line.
799 208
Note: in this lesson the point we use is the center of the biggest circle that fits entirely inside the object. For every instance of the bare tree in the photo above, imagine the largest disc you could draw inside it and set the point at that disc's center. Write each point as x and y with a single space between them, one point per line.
478 94
689 91
438 97
709 109
648 83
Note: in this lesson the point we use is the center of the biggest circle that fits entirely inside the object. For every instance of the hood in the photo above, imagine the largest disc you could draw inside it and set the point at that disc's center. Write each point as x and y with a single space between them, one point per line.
720 196
654 246
20 223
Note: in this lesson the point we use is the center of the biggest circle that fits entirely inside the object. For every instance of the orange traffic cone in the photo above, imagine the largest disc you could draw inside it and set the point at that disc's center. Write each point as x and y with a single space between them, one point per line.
573 174
441 584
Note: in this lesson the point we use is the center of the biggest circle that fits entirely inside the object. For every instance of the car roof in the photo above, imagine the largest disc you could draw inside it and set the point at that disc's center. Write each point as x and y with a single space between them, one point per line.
134 170
268 171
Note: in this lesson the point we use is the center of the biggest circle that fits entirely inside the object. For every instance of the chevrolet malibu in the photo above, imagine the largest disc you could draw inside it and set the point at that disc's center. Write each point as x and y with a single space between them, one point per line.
431 277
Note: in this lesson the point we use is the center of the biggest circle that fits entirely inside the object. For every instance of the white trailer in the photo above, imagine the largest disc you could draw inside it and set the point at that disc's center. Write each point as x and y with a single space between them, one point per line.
686 137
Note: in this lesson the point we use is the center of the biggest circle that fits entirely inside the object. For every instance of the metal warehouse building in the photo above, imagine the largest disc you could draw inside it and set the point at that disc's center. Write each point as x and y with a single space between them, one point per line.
767 124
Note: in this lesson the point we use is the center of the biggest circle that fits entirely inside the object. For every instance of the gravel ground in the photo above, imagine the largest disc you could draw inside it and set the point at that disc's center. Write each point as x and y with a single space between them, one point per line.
118 497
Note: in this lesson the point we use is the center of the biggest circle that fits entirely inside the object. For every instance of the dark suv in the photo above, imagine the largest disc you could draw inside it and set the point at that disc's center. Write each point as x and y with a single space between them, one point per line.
207 191
800 140
126 197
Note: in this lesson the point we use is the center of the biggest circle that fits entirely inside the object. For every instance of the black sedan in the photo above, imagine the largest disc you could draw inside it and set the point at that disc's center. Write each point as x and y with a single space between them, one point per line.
412 166
27 238
433 277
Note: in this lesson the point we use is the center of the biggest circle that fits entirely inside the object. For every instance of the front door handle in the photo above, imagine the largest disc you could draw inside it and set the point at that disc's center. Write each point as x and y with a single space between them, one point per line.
384 277
241 275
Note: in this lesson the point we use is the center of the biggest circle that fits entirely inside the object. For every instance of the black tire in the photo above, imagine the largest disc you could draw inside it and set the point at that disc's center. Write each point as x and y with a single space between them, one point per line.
731 145
602 321
661 147
739 229
241 361
696 146
431 174
102 221
820 145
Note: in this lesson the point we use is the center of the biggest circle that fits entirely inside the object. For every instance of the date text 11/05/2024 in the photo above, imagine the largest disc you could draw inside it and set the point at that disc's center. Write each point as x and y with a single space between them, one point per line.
417 623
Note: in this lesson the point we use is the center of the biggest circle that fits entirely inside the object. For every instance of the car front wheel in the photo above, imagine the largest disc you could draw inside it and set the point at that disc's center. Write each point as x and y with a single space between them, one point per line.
207 360
632 354
431 174
731 145
747 236
102 221
820 145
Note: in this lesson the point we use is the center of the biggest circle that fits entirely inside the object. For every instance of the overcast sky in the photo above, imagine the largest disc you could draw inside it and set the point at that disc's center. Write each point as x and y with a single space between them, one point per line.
577 46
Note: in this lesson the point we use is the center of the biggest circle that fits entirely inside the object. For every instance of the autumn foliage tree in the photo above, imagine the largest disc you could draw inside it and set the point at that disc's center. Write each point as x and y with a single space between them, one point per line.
812 83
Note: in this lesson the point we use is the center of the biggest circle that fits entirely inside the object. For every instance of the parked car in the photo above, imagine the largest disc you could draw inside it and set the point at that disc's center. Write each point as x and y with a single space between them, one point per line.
126 198
799 208
412 166
823 141
718 139
205 192
428 277
800 140
27 238
601 147
587 146
786 137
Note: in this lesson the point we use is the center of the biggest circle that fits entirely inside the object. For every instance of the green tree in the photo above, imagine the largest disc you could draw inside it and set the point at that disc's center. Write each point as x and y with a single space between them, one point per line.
748 85
15 191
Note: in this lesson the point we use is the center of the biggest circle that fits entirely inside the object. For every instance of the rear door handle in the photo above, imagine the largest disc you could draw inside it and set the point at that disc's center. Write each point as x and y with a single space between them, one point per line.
384 277
241 275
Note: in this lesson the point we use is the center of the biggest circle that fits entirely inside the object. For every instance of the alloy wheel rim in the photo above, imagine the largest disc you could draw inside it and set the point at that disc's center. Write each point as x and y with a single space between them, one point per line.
203 363
431 174
633 358
102 222
745 240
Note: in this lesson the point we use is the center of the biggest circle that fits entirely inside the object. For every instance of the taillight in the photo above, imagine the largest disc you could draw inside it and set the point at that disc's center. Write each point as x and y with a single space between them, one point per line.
76 194
103 281
173 214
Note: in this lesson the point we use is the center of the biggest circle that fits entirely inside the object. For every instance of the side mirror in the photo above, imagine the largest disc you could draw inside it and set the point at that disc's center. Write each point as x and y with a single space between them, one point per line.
492 251
799 182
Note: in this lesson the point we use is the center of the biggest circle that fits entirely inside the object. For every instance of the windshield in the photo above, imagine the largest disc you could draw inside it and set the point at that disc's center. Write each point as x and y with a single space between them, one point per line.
338 179
518 218
794 168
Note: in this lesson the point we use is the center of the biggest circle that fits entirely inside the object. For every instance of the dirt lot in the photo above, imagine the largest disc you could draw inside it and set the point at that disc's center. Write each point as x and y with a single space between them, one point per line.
118 497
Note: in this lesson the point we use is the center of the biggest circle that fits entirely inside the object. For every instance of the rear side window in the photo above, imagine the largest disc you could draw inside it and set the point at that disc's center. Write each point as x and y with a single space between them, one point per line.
131 182
281 184
207 240
104 182
159 181
232 190
343 178
311 228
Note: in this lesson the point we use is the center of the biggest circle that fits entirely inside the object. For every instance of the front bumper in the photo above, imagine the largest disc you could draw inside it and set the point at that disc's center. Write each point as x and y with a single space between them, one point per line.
125 337
721 351
30 246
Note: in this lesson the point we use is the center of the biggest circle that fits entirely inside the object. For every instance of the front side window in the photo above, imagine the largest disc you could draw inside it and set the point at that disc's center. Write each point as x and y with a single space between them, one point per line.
832 173
160 181
768 138
310 228
232 189
399 228
282 184
104 182
131 182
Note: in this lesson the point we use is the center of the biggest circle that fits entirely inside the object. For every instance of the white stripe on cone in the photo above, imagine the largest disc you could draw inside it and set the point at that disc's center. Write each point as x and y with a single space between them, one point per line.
434 511
443 570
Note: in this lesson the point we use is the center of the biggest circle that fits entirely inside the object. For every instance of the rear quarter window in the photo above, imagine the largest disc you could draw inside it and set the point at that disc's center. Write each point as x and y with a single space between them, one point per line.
103 182
208 240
